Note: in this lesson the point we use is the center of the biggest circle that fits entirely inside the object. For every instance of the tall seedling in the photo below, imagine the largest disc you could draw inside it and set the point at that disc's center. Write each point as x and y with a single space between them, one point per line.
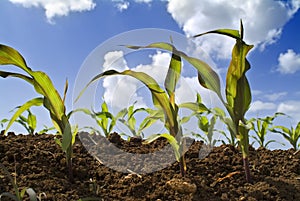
50 99
238 94
164 100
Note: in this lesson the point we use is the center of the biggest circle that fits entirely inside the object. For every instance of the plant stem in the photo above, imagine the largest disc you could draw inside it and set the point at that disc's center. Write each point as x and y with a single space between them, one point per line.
70 169
182 165
182 162
245 152
247 169
69 154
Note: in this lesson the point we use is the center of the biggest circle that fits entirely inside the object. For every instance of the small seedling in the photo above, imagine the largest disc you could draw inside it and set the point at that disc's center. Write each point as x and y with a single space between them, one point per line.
19 195
50 99
292 135
261 126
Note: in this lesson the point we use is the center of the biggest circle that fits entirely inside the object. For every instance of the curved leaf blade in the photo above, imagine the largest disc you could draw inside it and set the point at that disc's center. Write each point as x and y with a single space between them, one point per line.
23 108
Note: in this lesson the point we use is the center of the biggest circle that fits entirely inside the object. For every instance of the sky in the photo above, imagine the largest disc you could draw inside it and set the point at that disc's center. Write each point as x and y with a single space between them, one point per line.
62 37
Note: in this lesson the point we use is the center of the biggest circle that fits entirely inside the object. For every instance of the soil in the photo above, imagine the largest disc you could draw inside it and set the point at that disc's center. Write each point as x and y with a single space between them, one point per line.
36 161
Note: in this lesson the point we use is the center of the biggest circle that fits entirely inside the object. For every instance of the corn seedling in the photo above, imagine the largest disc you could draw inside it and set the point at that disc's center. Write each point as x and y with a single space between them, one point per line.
46 129
50 98
238 94
19 195
292 135
105 120
126 117
231 138
29 122
207 127
261 126
164 100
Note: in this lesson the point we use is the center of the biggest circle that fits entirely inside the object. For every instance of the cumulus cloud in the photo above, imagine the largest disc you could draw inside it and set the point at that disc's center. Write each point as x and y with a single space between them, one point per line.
291 108
263 20
258 106
121 5
256 92
57 8
275 96
122 91
289 62
143 1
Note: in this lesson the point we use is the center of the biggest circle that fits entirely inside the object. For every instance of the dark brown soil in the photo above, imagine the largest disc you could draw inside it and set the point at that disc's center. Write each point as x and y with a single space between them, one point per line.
37 162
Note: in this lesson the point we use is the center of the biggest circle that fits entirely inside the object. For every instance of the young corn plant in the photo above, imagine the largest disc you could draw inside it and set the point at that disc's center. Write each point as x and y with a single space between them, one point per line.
207 127
292 135
19 195
126 117
104 119
261 126
50 97
29 122
164 100
231 138
238 94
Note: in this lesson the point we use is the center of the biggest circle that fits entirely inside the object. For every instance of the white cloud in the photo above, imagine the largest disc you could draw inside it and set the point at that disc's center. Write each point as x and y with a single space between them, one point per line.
291 108
275 96
268 96
258 106
143 1
256 92
121 91
289 62
121 5
263 20
57 8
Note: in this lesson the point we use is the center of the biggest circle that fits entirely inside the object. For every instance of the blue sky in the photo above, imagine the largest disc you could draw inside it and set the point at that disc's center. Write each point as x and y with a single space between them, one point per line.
57 37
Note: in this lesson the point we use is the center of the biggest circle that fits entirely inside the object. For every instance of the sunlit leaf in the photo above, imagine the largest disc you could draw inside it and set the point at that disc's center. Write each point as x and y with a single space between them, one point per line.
173 75
209 78
23 108
171 139
10 56
227 32
159 96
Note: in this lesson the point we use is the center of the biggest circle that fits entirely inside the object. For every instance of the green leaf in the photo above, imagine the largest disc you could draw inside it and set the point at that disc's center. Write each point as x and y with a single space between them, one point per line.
31 121
5 74
23 108
239 35
67 134
195 107
207 76
44 86
238 92
227 32
65 90
171 139
10 56
159 96
153 116
173 75
203 123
